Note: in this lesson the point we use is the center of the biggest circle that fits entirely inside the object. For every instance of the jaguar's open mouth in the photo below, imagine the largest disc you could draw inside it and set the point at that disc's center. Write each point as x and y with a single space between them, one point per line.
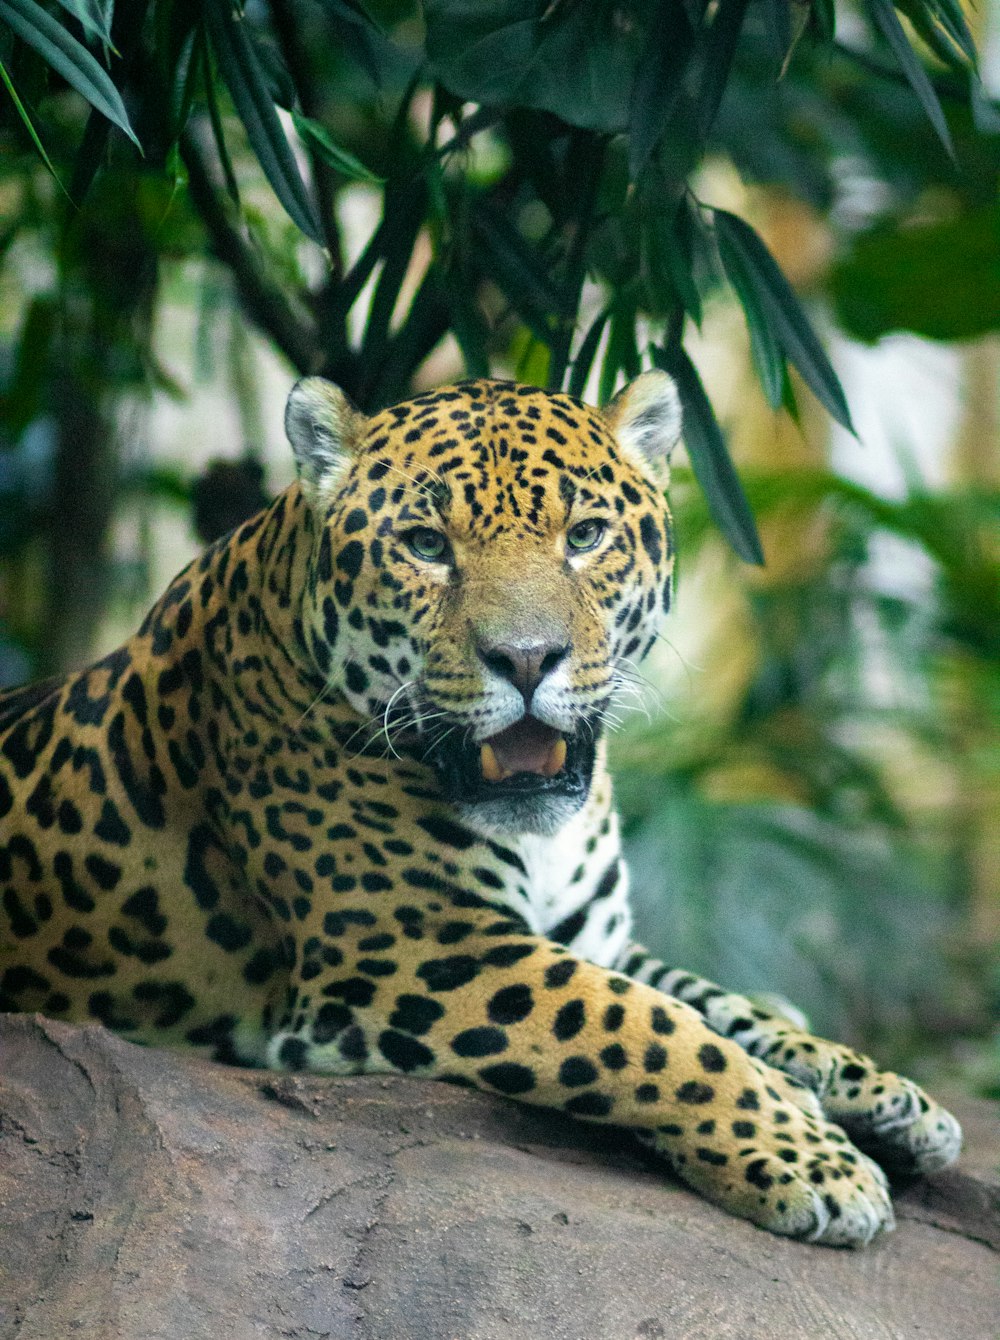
529 767
527 746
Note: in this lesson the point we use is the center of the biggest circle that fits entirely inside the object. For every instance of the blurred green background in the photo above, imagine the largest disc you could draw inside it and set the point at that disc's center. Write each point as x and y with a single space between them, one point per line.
790 204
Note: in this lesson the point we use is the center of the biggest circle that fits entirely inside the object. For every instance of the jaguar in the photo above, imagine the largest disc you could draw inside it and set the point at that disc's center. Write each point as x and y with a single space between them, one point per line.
342 804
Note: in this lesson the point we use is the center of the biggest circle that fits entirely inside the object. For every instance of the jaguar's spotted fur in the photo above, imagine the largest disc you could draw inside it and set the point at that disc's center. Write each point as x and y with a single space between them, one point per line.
341 803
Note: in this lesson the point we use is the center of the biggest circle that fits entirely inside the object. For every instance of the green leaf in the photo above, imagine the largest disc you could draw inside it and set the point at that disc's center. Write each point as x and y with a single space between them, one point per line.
720 48
244 78
823 16
532 358
782 312
67 57
780 26
425 324
467 323
885 19
201 59
695 10
622 354
94 16
90 156
24 397
579 63
985 112
706 448
331 153
670 248
947 43
587 352
941 280
518 271
351 11
403 216
28 124
951 18
190 63
788 400
767 356
659 82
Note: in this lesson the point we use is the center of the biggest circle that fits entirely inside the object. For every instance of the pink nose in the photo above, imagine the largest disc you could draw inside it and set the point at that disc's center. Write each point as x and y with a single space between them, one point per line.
524 665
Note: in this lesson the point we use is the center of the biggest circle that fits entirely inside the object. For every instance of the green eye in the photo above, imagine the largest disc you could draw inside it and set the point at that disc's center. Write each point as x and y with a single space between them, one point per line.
586 534
428 544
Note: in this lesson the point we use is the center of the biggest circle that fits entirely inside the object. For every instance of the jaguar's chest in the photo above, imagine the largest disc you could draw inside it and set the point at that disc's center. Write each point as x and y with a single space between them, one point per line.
572 885
331 831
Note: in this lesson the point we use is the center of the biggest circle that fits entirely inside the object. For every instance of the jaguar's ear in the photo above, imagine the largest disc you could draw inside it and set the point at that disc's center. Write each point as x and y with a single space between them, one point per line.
645 417
324 429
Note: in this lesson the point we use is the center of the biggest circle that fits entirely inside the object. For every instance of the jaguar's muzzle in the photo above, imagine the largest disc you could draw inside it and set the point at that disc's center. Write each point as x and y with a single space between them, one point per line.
528 761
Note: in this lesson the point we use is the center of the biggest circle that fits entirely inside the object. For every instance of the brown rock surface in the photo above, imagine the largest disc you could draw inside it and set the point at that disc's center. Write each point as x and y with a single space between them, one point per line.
146 1195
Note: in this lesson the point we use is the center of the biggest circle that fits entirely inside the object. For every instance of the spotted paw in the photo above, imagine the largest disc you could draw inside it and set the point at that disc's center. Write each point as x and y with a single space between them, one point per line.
786 1169
886 1114
898 1123
833 1194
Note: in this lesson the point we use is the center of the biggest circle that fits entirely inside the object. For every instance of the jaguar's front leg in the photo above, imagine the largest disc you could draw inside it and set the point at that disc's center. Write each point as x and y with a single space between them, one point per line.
515 1014
885 1113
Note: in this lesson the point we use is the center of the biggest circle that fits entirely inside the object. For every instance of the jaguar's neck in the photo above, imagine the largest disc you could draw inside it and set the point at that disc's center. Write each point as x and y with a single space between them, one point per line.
233 620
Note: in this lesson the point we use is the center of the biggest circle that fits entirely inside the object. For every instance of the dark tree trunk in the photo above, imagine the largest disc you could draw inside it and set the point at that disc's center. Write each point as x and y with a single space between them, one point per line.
84 489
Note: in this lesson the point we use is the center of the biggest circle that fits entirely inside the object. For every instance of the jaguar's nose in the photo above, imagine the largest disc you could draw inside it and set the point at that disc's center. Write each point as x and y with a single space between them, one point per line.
524 665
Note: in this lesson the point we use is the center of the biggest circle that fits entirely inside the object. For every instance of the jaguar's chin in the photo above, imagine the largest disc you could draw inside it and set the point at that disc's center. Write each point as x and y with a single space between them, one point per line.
529 778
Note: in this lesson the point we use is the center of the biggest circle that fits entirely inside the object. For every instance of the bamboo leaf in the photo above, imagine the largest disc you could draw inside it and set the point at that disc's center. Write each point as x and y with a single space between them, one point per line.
881 284
622 354
659 82
351 11
90 156
190 63
823 17
32 365
28 124
709 457
469 328
885 19
425 324
951 18
783 312
34 26
241 70
511 263
943 39
587 352
331 153
403 214
764 347
578 62
202 59
670 253
93 16
720 49
683 257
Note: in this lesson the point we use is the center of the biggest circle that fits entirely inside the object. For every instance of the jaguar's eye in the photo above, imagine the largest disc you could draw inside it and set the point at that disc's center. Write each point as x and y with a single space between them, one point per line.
428 544
586 534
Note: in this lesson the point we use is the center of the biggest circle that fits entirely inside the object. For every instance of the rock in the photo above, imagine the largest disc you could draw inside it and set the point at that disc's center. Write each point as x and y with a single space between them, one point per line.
148 1195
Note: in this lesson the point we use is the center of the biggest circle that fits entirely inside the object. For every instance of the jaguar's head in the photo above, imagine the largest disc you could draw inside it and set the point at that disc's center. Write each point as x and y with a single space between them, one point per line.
490 561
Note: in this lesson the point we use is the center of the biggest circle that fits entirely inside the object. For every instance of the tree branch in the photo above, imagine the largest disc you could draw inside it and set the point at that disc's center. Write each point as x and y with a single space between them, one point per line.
292 331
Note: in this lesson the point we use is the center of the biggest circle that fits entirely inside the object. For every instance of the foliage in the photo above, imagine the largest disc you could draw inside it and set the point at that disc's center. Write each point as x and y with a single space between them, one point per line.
533 146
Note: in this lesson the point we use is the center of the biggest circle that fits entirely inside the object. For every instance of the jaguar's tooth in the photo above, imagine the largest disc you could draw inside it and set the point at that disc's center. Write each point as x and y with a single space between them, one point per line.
556 759
490 764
